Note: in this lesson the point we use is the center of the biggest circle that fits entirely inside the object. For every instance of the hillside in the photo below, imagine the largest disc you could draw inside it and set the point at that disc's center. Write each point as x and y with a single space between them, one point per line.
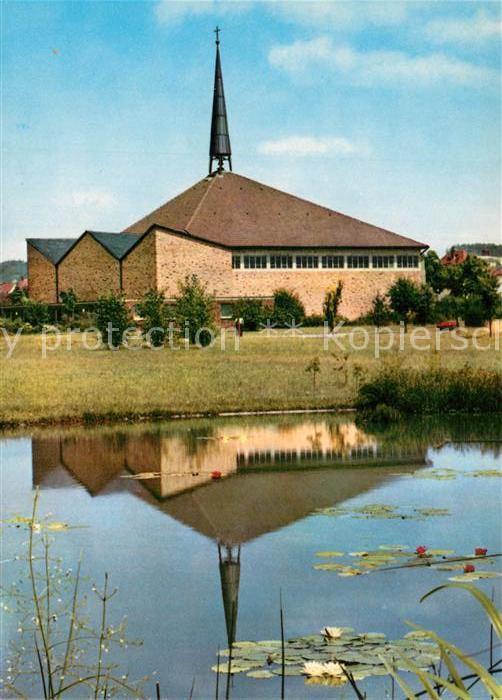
11 270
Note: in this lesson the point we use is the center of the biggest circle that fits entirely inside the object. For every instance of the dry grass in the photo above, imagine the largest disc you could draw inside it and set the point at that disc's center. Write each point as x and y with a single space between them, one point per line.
266 373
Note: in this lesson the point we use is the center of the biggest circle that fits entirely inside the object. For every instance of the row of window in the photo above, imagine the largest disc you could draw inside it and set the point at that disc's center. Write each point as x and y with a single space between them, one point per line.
275 262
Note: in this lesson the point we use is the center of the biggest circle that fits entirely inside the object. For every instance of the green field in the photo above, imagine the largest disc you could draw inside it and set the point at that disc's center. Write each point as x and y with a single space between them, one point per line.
265 373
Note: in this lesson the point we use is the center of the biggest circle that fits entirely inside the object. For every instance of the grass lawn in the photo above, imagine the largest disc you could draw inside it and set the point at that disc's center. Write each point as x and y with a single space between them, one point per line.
265 373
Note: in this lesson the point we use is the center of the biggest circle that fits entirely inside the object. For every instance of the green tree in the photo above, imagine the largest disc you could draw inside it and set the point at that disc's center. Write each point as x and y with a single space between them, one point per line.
152 308
288 309
404 298
332 301
69 302
252 311
425 309
380 312
194 311
112 319
435 271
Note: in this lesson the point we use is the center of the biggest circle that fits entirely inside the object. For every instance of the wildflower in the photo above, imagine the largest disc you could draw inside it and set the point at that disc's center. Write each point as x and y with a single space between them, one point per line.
480 551
332 632
469 568
216 474
421 550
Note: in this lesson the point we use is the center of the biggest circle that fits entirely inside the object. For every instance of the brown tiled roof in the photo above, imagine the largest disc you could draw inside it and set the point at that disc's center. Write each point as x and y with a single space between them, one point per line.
235 211
455 257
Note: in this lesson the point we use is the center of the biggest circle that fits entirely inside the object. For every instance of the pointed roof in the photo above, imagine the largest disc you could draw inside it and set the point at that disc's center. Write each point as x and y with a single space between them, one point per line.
52 248
234 211
219 145
117 244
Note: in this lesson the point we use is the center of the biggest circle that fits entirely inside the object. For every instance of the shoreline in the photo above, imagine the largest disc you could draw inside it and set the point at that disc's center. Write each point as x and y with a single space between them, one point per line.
153 416
16 427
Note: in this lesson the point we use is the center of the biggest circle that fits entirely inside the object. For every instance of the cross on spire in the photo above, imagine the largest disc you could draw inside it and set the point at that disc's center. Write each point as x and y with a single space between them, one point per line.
219 145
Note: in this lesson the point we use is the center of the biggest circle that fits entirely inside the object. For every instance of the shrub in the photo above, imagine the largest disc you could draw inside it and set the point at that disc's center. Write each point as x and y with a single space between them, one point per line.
153 311
332 301
433 391
194 311
69 302
35 313
112 319
12 325
252 311
288 309
313 320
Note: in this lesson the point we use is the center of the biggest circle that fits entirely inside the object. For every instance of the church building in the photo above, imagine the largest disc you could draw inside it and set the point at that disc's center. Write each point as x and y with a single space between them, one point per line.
240 237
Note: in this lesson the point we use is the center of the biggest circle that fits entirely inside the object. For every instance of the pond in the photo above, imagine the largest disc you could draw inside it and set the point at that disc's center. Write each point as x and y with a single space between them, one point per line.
234 513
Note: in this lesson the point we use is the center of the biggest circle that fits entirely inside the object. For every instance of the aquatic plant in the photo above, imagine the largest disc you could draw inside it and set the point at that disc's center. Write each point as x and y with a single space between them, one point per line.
59 648
410 391
452 659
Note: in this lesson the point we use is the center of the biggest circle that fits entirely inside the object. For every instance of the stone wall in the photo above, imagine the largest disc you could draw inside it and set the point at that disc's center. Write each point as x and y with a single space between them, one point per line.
178 256
360 286
41 277
89 270
139 268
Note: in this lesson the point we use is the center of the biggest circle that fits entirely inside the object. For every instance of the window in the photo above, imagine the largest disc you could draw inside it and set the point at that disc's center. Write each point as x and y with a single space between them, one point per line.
236 262
252 262
332 260
307 261
226 311
280 261
407 261
383 261
354 261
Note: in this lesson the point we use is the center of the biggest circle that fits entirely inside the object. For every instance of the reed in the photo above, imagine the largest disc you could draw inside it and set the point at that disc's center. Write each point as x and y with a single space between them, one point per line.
393 393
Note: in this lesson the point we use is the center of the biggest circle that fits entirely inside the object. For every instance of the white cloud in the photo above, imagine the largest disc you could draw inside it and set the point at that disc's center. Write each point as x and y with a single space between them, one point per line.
340 15
370 67
480 27
309 146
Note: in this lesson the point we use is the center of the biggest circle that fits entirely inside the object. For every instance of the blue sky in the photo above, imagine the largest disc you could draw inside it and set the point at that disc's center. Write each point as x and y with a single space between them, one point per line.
387 111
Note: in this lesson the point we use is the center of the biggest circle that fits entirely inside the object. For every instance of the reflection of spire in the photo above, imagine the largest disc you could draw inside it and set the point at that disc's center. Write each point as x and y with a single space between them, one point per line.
230 572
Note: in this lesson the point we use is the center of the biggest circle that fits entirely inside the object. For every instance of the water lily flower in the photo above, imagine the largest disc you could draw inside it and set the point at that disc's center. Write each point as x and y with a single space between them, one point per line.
469 568
334 670
313 669
421 550
332 632
216 475
480 551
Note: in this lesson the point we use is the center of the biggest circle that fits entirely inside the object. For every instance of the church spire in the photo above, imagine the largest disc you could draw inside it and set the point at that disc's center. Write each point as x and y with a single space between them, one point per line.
219 147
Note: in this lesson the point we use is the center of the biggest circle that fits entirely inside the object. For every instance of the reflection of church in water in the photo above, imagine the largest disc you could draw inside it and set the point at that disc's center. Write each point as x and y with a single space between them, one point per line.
273 474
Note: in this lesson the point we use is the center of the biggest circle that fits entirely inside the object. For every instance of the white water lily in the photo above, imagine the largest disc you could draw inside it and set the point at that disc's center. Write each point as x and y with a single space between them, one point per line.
313 669
332 632
334 670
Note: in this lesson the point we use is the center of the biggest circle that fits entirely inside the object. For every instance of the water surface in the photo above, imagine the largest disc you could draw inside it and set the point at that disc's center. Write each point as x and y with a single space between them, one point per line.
185 548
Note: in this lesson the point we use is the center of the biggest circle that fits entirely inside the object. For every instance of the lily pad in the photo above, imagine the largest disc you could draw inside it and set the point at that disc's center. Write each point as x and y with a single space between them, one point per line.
260 674
329 554
474 576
